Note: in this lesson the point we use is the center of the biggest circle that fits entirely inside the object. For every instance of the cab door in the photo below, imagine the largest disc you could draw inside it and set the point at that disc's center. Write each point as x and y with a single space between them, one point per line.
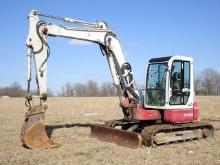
180 82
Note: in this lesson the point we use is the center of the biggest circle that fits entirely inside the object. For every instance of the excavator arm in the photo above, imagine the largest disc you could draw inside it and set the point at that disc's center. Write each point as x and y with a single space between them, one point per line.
33 133
93 32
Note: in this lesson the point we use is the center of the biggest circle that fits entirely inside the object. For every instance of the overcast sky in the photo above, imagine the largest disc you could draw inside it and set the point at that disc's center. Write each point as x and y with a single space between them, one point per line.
147 28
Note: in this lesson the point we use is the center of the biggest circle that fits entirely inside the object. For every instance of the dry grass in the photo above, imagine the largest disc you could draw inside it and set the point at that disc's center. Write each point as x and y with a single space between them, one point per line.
68 119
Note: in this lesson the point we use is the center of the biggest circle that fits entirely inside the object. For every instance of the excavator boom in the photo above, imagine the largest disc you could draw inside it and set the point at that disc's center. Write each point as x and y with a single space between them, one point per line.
33 133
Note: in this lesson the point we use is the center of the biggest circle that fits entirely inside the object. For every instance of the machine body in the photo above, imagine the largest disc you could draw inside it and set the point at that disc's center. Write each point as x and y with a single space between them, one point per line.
164 112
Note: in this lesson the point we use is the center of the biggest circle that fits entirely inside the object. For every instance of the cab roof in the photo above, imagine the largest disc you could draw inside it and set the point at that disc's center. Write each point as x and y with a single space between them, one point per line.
168 58
160 59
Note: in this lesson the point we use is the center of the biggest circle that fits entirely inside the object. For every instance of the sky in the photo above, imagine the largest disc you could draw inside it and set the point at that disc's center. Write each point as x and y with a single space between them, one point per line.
146 28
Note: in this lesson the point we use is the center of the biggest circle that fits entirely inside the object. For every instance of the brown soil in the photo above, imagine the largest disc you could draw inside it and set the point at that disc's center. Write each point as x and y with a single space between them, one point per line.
67 121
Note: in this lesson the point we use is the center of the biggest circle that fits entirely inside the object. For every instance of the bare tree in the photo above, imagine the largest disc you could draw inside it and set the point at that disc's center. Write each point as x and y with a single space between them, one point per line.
67 90
197 86
14 90
92 87
80 90
217 86
209 81
107 89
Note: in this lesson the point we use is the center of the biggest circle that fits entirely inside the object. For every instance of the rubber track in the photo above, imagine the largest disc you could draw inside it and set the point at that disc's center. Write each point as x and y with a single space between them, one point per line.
149 132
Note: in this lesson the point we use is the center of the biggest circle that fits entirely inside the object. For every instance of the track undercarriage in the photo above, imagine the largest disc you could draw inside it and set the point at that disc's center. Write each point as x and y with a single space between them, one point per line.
135 134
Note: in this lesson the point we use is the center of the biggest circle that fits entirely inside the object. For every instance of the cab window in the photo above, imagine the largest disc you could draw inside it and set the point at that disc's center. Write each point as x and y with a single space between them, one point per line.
156 84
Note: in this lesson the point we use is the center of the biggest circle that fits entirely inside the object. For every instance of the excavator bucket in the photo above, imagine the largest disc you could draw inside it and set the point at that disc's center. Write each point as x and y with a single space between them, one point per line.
33 132
118 136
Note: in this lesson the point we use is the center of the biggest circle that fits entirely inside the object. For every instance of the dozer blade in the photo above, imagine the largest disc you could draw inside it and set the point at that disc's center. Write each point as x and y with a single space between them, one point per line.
34 135
118 136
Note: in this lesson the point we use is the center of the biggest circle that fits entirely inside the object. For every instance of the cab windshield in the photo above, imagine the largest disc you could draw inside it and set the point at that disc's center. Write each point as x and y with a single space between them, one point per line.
156 84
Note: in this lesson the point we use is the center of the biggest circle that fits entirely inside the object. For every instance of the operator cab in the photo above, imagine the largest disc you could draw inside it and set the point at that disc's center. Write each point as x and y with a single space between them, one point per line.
169 83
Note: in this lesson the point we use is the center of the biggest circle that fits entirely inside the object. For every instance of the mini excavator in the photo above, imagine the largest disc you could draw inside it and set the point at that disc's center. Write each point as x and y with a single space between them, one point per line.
165 112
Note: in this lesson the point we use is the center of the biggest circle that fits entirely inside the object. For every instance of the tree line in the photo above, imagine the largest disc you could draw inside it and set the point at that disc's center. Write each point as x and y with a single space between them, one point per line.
206 82
14 90
89 89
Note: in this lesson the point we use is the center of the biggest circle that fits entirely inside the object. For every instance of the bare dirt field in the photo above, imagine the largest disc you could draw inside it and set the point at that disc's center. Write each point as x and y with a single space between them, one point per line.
67 120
